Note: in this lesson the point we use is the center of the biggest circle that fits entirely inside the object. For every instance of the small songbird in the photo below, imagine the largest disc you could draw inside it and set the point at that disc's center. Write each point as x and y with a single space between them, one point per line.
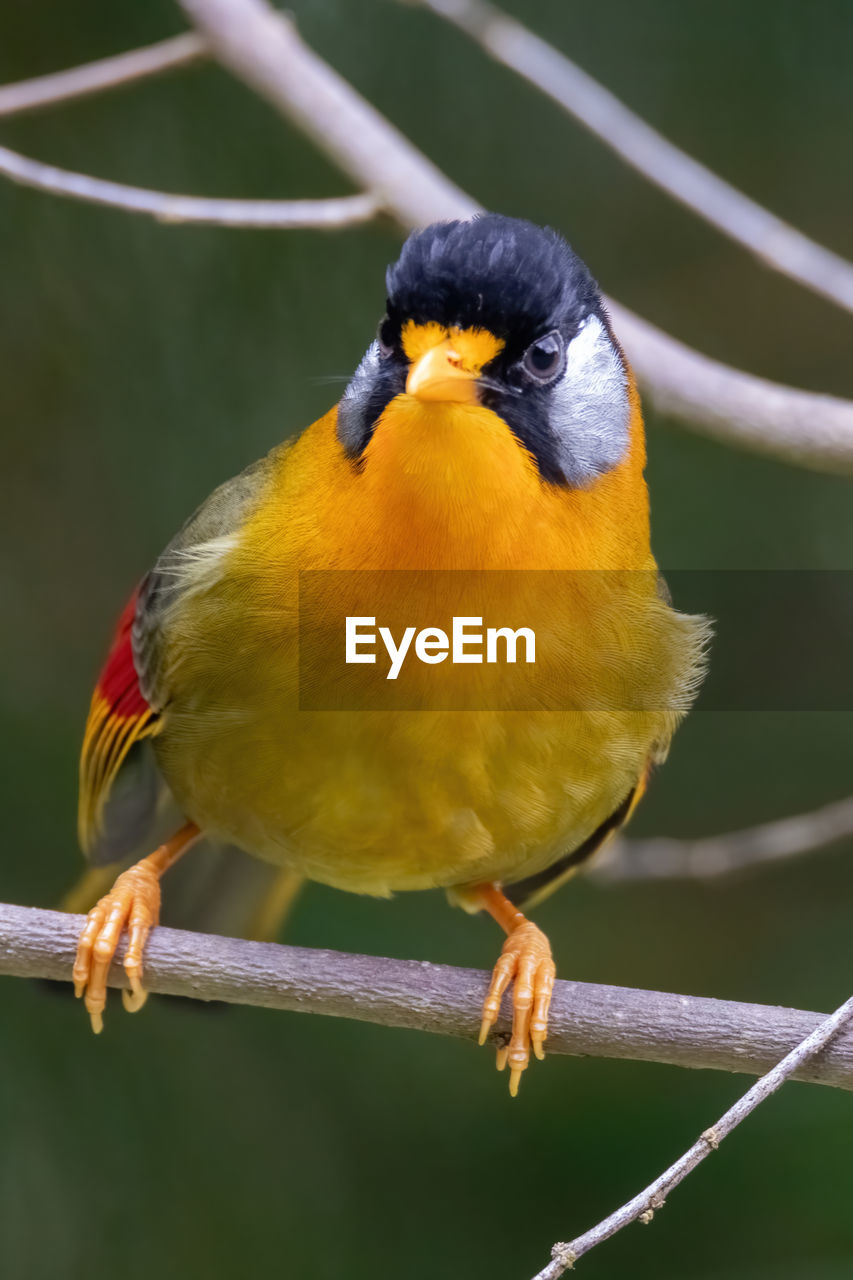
492 427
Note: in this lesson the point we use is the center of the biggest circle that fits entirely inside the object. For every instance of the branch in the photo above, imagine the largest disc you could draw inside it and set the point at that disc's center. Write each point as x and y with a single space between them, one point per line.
265 51
640 146
644 1206
585 1019
770 239
343 211
714 856
95 77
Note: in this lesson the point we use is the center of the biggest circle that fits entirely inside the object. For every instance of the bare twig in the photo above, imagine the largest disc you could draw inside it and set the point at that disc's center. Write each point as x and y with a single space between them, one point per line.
341 211
95 77
266 52
770 239
586 1019
714 856
644 1206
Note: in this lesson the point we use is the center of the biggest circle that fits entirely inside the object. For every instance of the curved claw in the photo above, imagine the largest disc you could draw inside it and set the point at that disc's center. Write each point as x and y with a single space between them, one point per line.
134 999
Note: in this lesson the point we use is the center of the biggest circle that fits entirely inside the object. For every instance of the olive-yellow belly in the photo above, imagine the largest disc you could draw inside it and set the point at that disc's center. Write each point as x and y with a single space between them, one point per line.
384 801
379 800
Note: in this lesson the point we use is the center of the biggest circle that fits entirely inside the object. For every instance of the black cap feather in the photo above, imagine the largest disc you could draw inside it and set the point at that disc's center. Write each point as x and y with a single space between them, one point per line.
493 272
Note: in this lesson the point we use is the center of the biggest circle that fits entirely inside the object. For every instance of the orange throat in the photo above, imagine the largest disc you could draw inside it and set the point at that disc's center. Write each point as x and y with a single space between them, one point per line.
451 481
448 486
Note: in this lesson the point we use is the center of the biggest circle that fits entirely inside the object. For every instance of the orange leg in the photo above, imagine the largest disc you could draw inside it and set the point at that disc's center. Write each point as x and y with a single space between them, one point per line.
133 903
526 957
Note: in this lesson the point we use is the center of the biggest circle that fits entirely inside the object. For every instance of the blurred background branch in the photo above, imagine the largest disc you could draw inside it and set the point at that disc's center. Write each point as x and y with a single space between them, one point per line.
586 1018
663 858
263 48
106 73
330 214
710 197
265 51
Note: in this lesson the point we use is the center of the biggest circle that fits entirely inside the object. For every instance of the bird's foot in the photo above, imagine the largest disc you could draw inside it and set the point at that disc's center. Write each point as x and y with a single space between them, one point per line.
133 904
526 957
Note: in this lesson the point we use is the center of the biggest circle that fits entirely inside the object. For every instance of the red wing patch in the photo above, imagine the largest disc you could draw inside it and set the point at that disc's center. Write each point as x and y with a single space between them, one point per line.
119 716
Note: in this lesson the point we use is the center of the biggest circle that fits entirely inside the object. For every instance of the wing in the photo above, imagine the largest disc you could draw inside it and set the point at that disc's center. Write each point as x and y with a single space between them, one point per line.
119 783
120 719
534 889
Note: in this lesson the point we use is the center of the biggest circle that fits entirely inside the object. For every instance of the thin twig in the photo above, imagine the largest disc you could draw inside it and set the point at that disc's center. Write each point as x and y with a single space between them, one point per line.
644 1206
773 241
713 856
265 52
330 214
107 73
586 1019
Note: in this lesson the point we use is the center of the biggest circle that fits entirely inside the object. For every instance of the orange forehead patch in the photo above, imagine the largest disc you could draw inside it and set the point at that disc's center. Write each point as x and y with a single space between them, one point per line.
475 347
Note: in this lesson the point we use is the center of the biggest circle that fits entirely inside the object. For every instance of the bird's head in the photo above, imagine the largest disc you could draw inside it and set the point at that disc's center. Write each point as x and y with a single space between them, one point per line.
500 315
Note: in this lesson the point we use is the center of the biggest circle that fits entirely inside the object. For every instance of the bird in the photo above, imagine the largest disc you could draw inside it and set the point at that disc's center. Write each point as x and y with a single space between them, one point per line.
489 446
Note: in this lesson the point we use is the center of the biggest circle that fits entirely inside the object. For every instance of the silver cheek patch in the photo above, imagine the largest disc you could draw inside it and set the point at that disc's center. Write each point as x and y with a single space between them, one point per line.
590 411
353 430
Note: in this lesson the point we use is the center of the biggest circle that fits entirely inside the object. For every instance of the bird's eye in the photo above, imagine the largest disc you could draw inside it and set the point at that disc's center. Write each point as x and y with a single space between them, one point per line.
385 338
543 358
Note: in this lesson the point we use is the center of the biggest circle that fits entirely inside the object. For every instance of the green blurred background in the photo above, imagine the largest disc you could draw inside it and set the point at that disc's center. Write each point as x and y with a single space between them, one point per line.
143 364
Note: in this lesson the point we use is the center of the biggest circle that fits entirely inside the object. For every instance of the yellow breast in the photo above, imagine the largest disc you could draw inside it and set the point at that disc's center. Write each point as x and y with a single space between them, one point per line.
374 800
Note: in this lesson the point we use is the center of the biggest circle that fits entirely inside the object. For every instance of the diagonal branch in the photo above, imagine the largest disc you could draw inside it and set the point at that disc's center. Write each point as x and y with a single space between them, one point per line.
695 186
330 214
585 1019
265 51
710 857
106 73
644 1206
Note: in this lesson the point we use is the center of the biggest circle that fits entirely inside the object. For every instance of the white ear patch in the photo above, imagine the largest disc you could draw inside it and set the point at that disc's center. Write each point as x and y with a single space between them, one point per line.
590 410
